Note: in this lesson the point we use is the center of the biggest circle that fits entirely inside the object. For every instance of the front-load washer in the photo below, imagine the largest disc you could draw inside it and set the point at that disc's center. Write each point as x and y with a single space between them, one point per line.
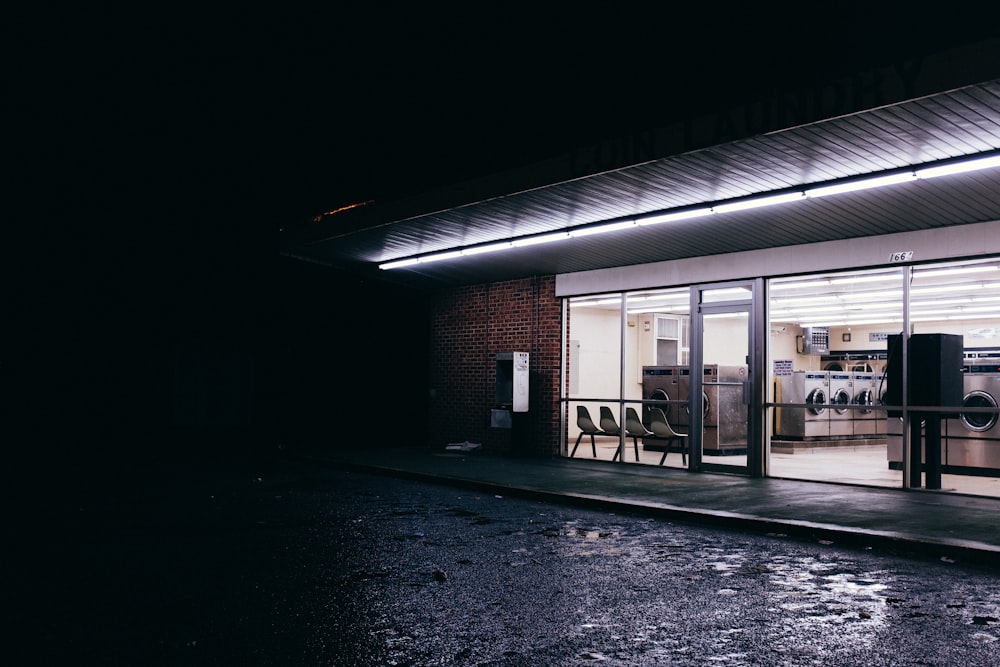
659 384
865 417
880 416
841 397
810 422
972 439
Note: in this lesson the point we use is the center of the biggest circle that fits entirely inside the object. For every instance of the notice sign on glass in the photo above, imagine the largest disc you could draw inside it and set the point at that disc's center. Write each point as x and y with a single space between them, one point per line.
782 367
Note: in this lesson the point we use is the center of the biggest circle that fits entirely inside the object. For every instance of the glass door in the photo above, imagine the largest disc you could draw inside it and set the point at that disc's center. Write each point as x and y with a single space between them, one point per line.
724 424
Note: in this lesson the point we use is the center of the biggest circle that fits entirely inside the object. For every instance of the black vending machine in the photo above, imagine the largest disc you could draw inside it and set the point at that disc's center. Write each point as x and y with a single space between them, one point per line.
934 381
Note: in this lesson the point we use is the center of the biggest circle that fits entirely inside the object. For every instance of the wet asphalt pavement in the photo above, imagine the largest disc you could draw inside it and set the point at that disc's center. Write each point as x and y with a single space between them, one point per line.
288 563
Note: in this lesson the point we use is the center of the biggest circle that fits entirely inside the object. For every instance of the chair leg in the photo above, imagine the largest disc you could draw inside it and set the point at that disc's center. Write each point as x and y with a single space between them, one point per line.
618 451
635 445
593 445
577 444
666 448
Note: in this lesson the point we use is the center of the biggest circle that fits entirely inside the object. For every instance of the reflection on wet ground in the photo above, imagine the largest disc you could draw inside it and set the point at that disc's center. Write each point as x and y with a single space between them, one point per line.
319 566
645 590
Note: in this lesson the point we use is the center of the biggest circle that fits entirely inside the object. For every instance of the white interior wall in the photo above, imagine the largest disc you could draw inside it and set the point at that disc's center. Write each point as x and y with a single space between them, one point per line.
596 331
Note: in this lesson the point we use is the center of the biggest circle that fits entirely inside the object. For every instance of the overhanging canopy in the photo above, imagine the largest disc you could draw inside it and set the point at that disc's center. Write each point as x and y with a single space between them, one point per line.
942 127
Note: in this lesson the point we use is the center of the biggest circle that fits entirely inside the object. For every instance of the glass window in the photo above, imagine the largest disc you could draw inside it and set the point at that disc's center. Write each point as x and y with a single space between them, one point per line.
594 325
828 356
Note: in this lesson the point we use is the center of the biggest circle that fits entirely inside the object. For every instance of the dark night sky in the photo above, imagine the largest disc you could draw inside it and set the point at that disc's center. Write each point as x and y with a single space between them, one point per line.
285 114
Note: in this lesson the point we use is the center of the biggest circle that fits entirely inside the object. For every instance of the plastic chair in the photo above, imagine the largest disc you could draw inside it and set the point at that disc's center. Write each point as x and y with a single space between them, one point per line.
587 427
610 427
661 429
635 429
608 422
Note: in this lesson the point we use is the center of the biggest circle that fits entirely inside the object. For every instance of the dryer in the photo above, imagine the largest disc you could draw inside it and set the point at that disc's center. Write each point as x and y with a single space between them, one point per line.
810 422
659 383
841 396
725 421
684 394
972 439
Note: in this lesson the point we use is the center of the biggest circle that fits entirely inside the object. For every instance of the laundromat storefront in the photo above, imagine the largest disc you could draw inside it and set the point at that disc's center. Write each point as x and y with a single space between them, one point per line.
788 375
702 273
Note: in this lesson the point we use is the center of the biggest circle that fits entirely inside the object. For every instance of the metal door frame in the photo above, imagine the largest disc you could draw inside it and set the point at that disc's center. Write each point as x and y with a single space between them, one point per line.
754 387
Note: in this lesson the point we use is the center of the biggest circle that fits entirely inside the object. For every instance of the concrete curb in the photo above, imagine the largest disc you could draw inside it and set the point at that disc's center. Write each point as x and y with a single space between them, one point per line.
899 544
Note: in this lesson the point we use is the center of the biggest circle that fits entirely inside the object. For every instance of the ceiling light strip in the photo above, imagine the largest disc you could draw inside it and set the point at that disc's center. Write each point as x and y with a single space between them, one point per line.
882 180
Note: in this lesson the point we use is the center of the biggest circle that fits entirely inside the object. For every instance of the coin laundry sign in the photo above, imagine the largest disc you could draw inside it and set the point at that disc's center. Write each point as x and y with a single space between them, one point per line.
903 256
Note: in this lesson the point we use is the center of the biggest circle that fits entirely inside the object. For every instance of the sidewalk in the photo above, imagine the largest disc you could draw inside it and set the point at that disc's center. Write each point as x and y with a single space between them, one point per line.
956 527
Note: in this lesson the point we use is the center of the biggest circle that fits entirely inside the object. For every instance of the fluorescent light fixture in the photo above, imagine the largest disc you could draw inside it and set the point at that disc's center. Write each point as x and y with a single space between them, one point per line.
601 229
757 202
971 164
959 167
944 289
587 302
426 259
536 240
879 277
864 184
671 217
666 310
400 263
437 257
973 316
934 273
481 249
777 286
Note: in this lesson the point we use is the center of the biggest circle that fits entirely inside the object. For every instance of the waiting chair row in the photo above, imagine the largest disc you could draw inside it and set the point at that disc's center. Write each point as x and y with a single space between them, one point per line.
659 429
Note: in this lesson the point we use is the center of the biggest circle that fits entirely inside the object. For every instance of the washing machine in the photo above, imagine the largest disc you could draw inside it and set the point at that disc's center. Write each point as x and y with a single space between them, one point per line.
879 414
725 411
841 397
972 439
804 423
865 396
659 383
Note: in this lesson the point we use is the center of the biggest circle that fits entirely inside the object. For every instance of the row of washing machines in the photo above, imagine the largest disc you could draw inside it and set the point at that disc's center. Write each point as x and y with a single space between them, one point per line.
970 441
828 395
724 408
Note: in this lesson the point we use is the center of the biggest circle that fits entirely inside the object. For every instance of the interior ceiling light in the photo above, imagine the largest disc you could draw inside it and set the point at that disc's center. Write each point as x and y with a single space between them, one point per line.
875 181
919 274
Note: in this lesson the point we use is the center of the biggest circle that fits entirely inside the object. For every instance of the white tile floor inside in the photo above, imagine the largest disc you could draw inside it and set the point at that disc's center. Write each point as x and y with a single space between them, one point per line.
863 464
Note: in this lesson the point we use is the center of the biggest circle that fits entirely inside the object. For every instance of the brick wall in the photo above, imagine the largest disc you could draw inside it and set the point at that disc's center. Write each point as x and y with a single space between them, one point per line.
469 325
